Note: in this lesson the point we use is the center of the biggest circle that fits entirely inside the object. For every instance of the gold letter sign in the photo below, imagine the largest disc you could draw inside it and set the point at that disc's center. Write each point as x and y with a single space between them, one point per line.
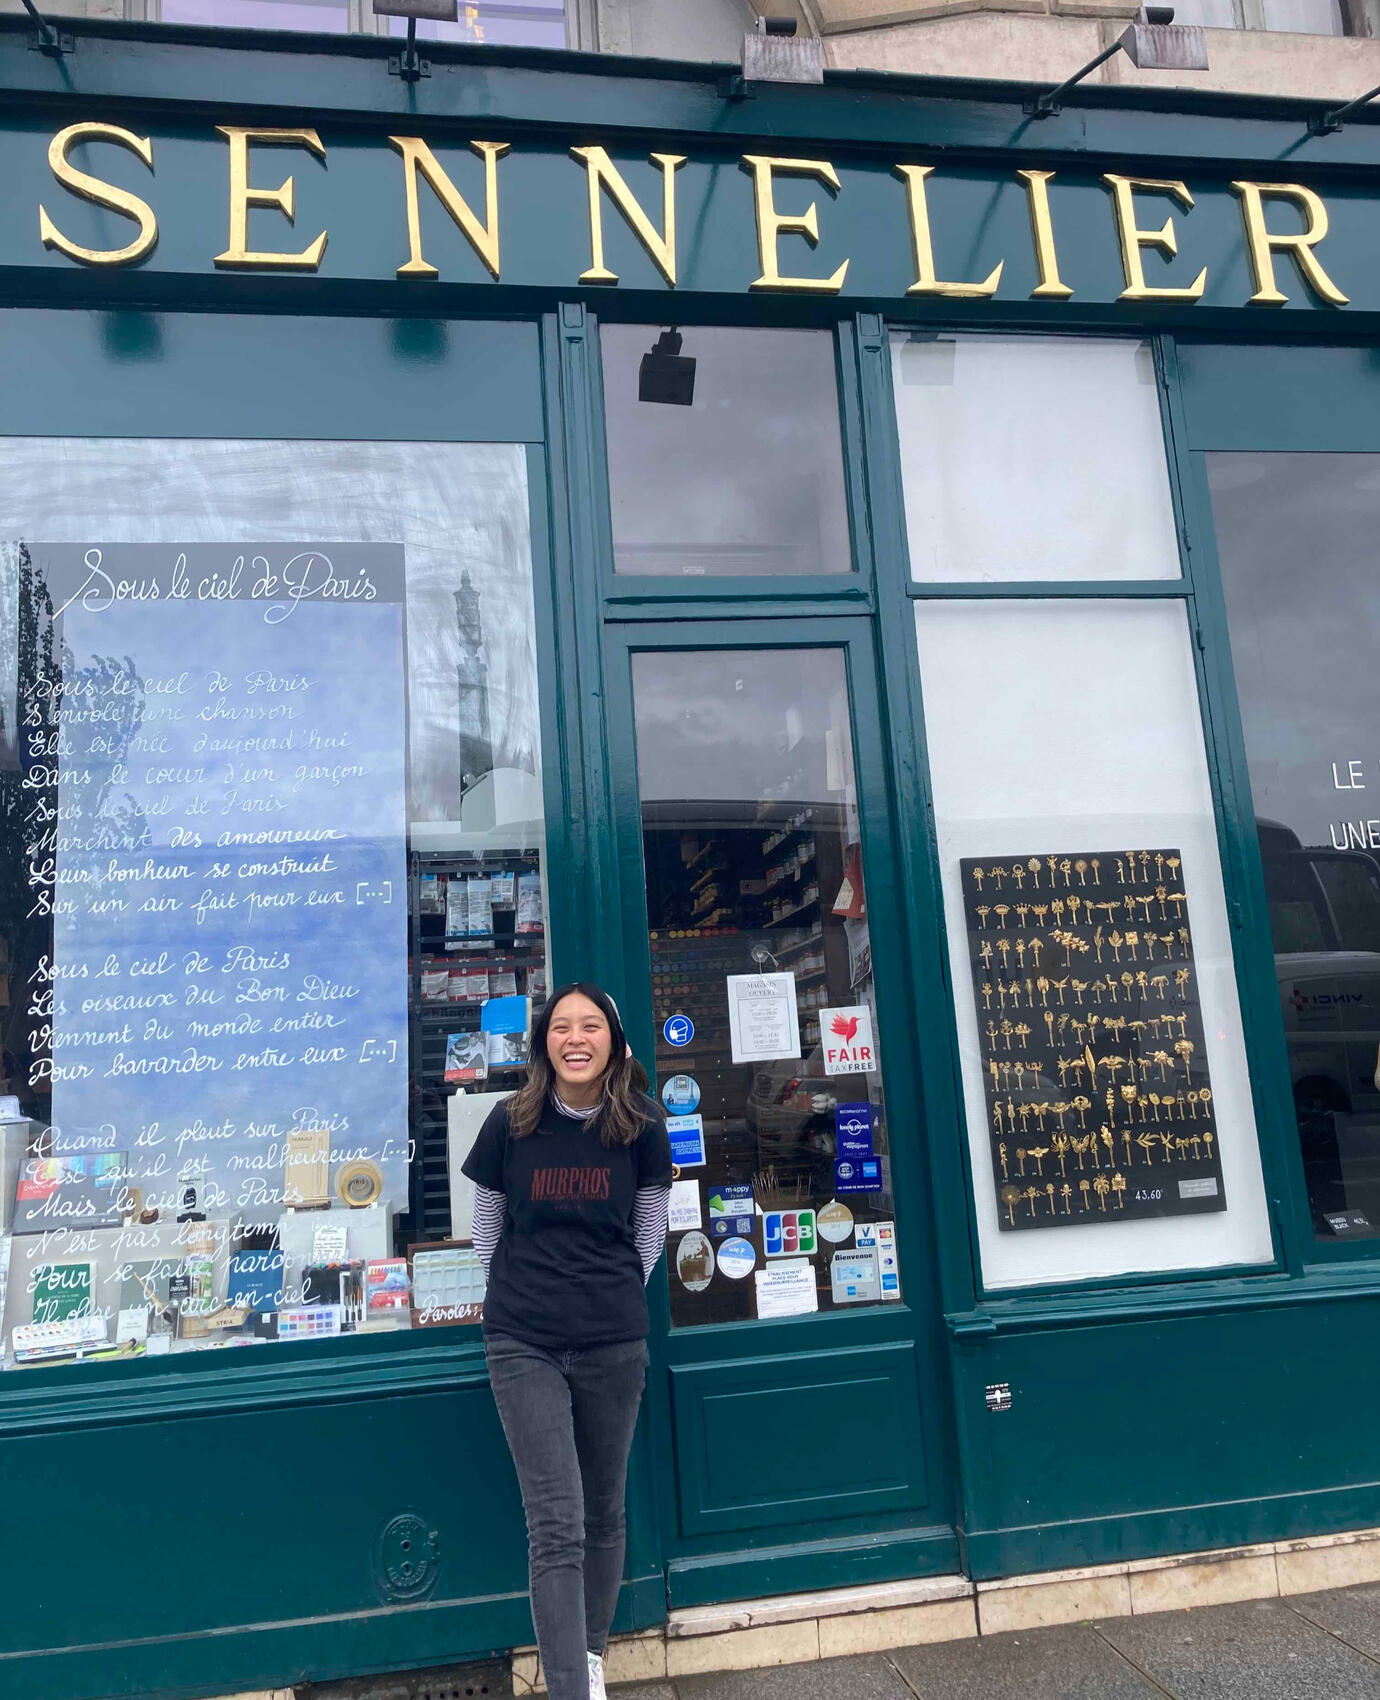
242 197
1133 240
771 224
483 238
602 172
104 195
1301 243
926 283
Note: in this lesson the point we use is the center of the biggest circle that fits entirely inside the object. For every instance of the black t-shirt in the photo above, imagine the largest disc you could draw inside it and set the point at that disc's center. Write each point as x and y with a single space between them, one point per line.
566 1271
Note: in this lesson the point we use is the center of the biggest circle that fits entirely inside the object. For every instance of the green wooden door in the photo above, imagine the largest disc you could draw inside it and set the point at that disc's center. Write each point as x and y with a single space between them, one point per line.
798 1388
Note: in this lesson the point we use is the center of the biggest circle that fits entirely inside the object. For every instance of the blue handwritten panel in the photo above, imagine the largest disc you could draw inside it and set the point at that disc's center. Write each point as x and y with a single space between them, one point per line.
228 868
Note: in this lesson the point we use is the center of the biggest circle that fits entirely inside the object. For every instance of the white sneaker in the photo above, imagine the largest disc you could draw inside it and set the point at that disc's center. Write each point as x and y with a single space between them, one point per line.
596 1677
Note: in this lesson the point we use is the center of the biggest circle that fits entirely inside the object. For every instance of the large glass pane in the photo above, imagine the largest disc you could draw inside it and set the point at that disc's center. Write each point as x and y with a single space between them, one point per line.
1294 534
728 460
762 986
274 919
1104 1074
499 23
1032 458
1306 17
311 15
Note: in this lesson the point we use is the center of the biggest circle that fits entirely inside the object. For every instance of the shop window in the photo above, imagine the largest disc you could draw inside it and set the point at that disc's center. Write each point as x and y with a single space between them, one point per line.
310 15
1306 17
762 986
724 451
1032 458
273 853
496 23
1294 536
1109 1113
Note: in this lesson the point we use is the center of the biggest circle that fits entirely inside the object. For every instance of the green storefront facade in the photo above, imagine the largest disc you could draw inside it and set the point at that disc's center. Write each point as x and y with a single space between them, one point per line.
975 276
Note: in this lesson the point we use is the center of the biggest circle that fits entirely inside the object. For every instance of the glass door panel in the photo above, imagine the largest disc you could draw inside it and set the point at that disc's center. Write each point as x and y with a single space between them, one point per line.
762 985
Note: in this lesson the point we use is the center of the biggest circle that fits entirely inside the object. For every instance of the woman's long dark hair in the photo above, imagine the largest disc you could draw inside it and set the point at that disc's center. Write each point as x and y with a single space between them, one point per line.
622 1111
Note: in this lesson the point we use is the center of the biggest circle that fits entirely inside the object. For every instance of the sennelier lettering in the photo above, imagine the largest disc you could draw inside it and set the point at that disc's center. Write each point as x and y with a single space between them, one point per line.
1270 231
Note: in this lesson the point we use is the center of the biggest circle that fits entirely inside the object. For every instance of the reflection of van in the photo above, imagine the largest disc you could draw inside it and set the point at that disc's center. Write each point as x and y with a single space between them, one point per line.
1325 921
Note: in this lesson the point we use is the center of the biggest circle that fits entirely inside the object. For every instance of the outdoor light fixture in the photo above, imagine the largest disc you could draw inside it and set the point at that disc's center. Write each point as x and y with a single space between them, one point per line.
1324 123
1153 43
409 64
48 40
775 53
667 375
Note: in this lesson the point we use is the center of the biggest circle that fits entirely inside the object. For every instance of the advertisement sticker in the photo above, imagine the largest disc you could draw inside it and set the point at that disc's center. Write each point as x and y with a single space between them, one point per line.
695 1262
846 1033
854 1277
862 1174
853 1130
788 1233
684 1209
881 1238
731 1211
834 1222
737 1259
687 1140
681 1095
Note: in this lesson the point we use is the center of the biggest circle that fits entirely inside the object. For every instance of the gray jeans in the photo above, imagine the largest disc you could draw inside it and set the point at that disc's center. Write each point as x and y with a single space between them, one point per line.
569 1418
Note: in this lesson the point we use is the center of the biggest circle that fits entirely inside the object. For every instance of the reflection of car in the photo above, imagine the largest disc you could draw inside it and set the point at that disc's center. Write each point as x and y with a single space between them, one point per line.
791 1107
1325 920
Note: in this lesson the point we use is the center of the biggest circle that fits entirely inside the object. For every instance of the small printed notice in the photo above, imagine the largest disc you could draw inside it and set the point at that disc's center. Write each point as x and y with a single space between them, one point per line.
762 1019
684 1209
849 1047
786 1289
687 1140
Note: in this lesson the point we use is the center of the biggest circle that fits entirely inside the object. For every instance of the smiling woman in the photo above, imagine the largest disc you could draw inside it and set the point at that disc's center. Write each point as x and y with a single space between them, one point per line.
572 1178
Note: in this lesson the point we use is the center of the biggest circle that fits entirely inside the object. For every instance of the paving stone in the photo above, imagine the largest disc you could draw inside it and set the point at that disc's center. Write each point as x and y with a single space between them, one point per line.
1036 1664
1262 1650
869 1677
1352 1613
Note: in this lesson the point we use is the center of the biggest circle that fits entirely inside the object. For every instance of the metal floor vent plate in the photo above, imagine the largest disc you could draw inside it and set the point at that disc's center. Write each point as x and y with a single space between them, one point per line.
490 1680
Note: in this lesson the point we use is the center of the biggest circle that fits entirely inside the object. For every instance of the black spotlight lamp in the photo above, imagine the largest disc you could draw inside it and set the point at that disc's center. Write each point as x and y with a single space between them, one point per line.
666 375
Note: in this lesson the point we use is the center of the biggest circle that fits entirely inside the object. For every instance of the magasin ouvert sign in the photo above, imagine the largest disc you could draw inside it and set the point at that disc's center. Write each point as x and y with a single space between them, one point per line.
292 200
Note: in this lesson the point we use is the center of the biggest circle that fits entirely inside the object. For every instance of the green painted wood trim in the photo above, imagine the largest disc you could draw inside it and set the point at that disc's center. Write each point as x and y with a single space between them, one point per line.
574 418
1043 589
95 1396
1037 1310
950 1179
630 596
252 1656
1259 985
917 1319
806 1566
995 1553
1236 836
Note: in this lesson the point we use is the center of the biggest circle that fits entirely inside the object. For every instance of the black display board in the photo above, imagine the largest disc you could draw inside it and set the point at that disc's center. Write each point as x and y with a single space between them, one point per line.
1095 1079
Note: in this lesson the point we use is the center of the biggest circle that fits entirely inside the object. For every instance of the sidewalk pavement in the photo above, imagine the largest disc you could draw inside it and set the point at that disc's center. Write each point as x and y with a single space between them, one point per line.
1307 1647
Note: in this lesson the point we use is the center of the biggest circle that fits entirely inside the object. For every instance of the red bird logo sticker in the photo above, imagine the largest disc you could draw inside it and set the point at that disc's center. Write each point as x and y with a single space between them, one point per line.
848 1042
